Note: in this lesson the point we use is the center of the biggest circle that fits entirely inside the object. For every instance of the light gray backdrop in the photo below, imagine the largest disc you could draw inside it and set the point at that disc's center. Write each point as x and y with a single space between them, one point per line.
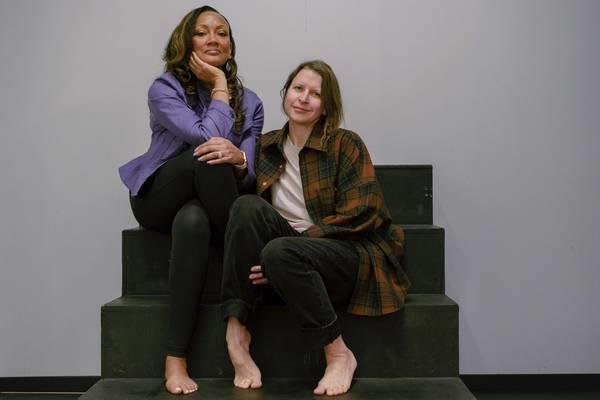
502 97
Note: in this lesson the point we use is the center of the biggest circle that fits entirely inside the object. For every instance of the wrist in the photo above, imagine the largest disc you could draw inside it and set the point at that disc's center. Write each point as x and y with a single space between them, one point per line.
244 163
217 90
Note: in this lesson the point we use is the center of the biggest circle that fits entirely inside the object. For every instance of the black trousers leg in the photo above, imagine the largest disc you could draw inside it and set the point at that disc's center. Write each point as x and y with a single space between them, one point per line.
312 275
252 224
181 179
192 200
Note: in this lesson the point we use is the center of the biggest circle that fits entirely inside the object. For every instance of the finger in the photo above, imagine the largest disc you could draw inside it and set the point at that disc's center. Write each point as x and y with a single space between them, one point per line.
194 65
211 145
205 148
218 157
256 268
209 152
198 150
254 277
222 160
196 60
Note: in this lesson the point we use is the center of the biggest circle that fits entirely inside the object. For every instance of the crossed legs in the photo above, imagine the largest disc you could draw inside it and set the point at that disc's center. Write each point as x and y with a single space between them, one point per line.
312 275
192 200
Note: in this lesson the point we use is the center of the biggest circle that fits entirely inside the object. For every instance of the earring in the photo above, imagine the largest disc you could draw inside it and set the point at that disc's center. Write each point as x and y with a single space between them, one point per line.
228 66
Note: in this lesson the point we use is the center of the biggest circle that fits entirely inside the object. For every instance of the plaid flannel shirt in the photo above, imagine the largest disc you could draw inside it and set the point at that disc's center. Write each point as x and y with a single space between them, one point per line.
343 197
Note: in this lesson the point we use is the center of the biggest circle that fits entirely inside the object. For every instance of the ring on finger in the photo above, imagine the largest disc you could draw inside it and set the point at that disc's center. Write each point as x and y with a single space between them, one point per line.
219 155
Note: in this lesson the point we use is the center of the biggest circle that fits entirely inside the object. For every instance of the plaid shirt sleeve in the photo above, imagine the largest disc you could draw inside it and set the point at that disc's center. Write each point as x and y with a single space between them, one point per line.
357 196
354 209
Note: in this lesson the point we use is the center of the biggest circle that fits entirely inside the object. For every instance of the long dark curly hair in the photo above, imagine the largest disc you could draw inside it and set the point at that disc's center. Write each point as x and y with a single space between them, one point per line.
177 55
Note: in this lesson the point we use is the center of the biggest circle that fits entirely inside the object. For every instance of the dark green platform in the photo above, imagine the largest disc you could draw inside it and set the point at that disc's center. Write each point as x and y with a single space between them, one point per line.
419 341
285 389
146 262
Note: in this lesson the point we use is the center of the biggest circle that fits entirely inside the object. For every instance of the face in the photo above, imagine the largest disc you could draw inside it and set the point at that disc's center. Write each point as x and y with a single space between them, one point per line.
211 39
303 104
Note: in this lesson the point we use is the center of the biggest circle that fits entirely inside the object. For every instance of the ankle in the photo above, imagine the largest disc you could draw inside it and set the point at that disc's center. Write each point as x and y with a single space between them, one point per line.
337 348
237 334
177 363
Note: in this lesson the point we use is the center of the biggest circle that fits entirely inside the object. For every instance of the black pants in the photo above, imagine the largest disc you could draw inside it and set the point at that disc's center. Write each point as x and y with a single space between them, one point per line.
192 200
311 275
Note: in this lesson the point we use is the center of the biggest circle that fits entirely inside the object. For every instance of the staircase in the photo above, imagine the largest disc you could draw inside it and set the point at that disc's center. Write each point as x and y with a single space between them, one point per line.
412 354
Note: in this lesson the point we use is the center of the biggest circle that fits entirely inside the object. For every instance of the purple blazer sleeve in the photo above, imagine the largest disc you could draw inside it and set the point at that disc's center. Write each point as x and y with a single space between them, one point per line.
248 145
167 103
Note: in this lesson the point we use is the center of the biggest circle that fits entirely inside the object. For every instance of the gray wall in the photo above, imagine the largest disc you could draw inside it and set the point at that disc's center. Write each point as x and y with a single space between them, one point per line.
502 97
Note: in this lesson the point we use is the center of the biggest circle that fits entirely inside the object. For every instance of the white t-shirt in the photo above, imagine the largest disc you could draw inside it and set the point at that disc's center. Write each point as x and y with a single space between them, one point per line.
287 195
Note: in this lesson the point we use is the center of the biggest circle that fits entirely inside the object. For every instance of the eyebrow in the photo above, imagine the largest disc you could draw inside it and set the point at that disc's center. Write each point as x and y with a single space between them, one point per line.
206 26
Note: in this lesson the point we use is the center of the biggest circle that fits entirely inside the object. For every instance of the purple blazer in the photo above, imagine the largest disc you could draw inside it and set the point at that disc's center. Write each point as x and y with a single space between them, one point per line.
176 125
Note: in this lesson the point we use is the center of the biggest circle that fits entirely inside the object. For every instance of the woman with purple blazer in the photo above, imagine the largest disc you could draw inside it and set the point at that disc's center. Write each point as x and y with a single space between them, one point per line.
205 125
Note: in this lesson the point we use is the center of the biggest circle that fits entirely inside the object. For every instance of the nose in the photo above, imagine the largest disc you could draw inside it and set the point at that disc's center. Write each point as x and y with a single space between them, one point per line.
211 37
303 96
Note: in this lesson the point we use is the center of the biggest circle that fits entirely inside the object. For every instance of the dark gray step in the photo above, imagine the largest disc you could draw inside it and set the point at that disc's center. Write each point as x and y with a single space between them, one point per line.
286 389
419 341
407 190
146 262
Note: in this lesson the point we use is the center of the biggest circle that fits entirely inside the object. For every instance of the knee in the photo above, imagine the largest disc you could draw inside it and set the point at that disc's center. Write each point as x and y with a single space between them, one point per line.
246 208
216 172
277 256
191 221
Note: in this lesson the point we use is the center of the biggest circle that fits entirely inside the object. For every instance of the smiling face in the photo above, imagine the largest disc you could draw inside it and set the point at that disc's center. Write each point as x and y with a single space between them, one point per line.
303 104
211 40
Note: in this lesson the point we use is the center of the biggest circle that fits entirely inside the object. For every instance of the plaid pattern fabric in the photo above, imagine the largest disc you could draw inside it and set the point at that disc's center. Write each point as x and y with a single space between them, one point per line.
344 199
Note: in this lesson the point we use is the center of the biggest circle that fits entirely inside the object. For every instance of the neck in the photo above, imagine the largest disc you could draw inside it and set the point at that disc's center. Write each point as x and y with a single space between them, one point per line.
299 133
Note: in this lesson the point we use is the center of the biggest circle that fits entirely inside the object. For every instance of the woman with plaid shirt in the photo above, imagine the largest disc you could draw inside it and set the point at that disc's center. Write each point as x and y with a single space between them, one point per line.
318 232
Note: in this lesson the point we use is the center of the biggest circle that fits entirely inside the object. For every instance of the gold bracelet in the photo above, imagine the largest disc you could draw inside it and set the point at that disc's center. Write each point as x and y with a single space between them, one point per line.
212 92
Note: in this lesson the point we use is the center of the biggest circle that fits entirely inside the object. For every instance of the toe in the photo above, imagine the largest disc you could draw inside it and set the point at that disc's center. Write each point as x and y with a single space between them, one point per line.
243 383
256 384
191 388
176 390
319 390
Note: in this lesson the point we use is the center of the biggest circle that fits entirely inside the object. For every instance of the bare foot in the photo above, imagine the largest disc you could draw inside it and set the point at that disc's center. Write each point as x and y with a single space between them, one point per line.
247 374
177 379
341 365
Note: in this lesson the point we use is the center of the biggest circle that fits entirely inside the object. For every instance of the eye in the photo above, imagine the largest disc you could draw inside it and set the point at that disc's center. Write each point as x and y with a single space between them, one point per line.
316 94
223 34
201 33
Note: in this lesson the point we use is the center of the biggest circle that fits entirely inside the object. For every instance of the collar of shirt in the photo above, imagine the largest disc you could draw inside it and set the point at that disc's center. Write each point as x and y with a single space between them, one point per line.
316 140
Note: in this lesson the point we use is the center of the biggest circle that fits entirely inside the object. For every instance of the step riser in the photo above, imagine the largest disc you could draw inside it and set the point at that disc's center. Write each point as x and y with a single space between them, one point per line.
146 263
407 191
419 341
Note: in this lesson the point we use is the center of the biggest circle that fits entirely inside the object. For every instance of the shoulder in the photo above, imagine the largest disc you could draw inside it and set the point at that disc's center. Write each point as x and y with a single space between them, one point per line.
270 137
165 84
345 139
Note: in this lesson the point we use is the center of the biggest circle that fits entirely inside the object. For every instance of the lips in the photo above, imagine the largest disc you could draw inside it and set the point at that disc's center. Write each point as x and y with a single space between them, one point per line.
213 52
299 109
